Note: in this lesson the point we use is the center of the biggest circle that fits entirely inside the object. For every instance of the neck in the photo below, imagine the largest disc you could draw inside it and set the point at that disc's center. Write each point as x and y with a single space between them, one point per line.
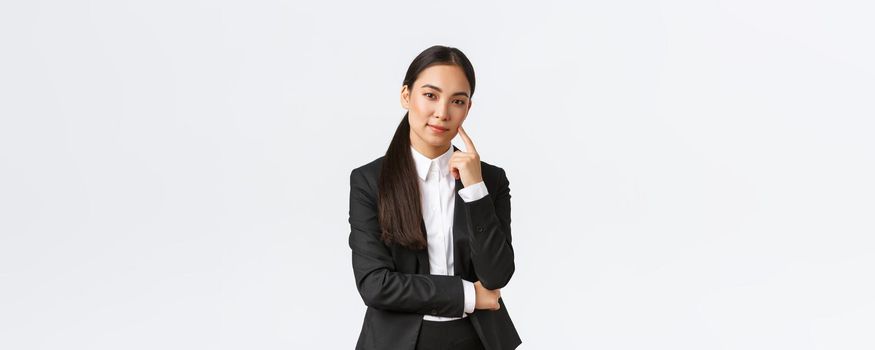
430 151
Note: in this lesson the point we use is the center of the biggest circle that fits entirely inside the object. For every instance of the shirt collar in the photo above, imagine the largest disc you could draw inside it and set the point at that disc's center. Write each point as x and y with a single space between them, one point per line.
424 164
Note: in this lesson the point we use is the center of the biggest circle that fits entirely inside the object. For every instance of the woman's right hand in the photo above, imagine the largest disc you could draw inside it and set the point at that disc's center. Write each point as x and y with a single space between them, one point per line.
487 299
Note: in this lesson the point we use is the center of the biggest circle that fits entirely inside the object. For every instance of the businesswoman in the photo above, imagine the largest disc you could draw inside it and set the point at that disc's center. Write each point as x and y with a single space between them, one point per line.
430 224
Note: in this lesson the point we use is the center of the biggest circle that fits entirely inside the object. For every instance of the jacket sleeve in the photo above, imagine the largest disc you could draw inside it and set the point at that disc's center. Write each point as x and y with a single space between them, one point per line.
378 282
489 224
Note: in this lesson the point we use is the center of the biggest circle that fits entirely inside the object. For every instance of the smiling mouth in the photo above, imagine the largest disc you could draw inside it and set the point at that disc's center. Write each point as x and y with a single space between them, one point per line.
438 128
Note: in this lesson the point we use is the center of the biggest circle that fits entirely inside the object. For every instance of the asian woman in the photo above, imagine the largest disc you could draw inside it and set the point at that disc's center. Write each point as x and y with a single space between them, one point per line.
430 223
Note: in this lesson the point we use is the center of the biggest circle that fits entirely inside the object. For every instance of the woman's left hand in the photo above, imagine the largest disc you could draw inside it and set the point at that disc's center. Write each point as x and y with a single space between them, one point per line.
466 164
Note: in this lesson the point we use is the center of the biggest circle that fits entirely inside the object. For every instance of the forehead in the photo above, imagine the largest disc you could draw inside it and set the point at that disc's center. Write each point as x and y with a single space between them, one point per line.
446 77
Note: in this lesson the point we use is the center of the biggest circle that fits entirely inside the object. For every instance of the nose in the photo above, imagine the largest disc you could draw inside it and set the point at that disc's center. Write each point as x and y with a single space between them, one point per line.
441 112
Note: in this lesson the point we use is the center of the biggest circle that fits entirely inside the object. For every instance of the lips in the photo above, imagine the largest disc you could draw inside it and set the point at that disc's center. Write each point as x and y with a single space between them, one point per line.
438 128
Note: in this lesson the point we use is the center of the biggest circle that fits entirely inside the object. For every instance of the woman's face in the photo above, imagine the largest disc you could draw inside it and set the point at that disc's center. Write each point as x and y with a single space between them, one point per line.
437 103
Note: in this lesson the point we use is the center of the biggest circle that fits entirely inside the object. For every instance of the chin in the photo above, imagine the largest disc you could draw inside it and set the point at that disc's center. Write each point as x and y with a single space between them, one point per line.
437 142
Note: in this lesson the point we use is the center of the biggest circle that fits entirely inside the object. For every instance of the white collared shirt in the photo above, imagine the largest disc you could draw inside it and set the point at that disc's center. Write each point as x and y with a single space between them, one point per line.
437 187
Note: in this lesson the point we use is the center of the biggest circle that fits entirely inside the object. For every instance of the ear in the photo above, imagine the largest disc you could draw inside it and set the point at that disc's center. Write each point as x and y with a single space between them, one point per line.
405 97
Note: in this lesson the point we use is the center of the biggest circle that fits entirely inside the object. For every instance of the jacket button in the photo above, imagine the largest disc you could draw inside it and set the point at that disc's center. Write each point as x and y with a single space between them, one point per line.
434 311
479 228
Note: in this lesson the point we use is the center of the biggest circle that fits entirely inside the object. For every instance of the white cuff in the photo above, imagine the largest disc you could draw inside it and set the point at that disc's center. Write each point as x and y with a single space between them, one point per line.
473 192
470 296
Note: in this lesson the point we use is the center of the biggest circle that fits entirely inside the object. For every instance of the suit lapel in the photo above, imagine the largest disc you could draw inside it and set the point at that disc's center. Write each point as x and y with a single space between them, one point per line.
461 245
422 257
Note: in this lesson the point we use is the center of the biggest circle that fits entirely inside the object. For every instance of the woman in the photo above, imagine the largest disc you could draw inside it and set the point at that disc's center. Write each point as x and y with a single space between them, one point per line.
430 224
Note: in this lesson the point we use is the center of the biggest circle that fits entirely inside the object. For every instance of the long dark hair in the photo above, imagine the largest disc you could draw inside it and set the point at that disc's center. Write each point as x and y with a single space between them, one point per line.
400 211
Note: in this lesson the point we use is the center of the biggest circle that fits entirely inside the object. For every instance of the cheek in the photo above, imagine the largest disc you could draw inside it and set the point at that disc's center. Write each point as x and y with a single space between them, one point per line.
417 116
457 117
419 104
420 111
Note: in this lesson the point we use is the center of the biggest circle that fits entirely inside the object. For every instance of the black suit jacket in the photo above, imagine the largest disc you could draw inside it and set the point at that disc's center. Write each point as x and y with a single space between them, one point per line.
395 284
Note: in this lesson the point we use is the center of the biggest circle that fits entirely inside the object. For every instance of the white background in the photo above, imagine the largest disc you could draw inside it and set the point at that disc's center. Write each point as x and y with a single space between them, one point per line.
684 174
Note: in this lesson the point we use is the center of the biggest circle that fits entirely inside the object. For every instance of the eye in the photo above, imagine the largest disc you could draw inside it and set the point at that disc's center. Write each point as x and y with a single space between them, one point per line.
462 102
428 94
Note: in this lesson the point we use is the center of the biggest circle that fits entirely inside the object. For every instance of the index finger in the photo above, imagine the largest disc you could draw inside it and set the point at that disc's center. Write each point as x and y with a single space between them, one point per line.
469 146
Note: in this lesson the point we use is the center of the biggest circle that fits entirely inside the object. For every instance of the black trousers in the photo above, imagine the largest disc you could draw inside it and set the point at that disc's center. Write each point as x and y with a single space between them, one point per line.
445 335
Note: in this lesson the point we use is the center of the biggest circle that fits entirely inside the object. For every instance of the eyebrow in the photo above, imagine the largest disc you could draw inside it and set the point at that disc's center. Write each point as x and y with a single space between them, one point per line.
439 90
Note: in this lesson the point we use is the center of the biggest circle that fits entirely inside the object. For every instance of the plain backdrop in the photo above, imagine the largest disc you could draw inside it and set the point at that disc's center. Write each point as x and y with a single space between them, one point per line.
684 174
